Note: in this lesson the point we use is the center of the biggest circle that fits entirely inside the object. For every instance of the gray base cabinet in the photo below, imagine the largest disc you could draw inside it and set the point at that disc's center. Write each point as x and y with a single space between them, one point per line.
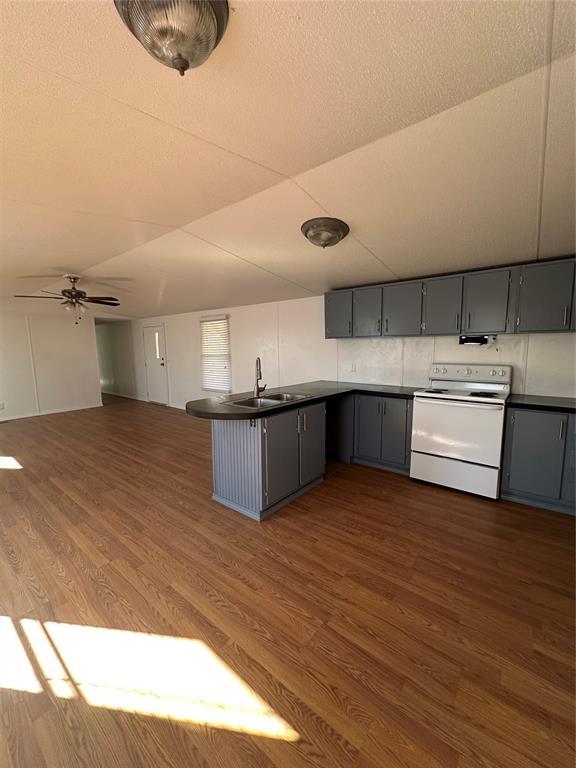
538 454
382 431
261 464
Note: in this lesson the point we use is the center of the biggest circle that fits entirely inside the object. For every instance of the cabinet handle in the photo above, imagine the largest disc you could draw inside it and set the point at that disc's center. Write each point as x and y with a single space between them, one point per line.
457 321
386 325
350 327
383 407
304 422
561 433
565 321
469 319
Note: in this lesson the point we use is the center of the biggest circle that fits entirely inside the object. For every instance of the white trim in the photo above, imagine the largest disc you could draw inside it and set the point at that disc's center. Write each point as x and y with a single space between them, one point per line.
33 363
52 411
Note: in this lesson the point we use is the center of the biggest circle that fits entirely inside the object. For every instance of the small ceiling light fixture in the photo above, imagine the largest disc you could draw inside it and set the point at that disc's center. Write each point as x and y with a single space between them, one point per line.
325 231
180 34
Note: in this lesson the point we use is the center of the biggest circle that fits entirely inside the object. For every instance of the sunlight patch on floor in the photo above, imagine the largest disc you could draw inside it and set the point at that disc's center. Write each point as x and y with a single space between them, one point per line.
9 462
16 671
162 676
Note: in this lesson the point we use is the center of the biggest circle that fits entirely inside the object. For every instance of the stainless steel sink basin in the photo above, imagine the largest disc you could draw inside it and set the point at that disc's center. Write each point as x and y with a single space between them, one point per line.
255 402
285 397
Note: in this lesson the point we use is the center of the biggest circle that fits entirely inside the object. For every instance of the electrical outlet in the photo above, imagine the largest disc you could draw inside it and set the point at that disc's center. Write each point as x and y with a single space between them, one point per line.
353 368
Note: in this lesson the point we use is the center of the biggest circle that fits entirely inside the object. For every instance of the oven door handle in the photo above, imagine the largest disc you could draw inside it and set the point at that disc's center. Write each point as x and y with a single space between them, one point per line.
460 404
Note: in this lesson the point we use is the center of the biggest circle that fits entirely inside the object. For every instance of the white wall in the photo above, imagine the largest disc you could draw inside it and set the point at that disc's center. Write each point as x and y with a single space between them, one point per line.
289 338
47 364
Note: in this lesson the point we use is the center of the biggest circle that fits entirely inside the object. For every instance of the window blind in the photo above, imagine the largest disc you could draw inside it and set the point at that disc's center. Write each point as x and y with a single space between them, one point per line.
215 352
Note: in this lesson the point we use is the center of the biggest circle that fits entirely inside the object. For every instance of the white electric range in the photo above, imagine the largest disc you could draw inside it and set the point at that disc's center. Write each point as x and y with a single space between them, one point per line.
458 425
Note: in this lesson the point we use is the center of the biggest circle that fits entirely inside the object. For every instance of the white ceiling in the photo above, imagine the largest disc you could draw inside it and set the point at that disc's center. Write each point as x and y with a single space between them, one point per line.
442 132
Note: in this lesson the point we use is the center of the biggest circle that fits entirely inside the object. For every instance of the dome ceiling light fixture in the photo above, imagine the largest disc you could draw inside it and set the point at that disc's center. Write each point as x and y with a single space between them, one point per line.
180 34
325 231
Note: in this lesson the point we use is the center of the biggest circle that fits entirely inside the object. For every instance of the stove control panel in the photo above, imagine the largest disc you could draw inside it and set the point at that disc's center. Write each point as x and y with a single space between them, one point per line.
471 372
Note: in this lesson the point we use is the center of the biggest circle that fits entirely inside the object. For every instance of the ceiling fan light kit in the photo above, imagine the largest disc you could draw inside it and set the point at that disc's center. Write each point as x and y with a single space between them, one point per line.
180 34
75 300
325 231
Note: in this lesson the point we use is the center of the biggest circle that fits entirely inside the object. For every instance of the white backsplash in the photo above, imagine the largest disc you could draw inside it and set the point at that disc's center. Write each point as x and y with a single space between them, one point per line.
543 364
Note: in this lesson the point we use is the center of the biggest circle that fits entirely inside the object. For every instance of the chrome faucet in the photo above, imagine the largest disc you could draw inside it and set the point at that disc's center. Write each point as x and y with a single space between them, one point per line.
257 388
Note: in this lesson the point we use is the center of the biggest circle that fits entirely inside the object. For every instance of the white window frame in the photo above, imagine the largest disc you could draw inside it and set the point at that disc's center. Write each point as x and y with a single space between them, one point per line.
215 354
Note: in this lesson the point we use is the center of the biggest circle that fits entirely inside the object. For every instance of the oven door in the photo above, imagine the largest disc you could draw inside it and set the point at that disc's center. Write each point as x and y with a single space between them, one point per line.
458 429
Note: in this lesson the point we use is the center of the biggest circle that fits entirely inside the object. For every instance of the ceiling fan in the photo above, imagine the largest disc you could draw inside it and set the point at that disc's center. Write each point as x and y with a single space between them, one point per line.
74 299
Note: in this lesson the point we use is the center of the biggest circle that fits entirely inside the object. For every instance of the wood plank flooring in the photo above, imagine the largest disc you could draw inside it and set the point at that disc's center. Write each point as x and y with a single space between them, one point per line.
391 624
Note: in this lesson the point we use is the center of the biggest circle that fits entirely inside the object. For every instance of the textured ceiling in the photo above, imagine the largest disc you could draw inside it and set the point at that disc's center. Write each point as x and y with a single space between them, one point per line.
443 132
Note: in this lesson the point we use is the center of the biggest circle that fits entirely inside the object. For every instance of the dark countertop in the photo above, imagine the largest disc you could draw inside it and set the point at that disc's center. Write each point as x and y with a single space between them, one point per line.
543 403
220 407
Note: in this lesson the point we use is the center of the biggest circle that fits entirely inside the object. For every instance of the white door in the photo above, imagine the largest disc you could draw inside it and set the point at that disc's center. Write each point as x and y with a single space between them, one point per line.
458 430
155 357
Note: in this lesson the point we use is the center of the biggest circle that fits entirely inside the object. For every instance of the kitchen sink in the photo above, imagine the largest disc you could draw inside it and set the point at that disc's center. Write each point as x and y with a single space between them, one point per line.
255 402
285 397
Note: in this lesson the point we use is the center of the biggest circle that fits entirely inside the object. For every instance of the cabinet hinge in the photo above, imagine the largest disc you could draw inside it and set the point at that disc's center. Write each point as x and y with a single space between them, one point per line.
423 326
521 279
512 420
423 290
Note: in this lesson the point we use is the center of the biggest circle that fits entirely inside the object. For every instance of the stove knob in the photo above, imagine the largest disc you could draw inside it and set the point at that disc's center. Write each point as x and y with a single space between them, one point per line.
502 372
436 370
493 372
444 370
468 371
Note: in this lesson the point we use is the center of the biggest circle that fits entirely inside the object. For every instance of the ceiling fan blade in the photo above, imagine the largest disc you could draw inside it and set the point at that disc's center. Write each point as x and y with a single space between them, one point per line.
53 293
101 298
28 296
104 303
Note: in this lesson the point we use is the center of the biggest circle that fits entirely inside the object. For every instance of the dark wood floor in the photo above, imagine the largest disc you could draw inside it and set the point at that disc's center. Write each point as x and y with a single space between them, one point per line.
389 623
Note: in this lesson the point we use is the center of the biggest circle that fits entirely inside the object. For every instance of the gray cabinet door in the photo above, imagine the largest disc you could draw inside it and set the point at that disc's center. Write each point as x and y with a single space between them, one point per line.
569 477
485 302
338 314
281 456
545 297
368 427
402 309
535 456
573 312
442 306
367 312
312 442
394 413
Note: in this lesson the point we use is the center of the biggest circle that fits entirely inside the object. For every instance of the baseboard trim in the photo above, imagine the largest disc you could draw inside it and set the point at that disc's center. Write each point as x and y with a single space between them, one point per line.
49 412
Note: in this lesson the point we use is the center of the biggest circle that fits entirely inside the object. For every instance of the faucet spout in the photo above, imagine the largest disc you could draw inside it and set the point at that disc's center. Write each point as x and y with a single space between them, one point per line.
257 388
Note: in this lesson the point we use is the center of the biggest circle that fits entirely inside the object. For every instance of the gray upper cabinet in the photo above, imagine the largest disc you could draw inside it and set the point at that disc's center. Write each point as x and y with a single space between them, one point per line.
573 313
312 442
545 297
442 306
338 314
367 312
402 309
281 456
485 304
534 454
